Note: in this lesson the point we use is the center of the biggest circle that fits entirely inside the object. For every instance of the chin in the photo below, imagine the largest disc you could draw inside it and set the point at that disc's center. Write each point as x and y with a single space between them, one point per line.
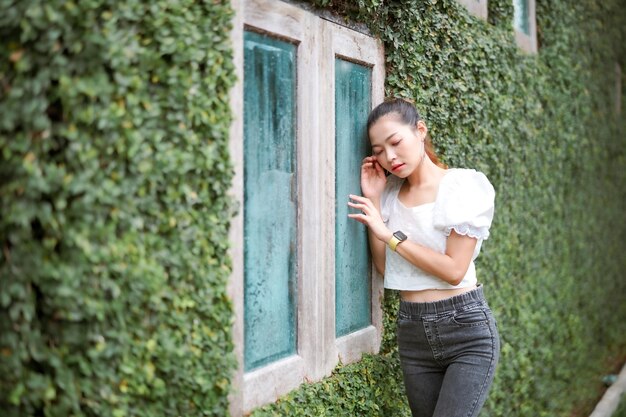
403 173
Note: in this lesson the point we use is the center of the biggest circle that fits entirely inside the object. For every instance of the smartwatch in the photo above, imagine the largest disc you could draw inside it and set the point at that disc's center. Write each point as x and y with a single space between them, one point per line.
397 238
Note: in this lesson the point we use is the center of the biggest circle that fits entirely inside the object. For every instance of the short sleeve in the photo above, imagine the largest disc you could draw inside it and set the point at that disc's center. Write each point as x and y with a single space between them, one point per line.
465 204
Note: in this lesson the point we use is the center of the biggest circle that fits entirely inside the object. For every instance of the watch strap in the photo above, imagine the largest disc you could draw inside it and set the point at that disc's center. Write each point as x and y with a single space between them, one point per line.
393 243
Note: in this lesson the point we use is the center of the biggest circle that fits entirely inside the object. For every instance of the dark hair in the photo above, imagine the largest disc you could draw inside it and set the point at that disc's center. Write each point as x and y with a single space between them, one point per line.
407 113
405 110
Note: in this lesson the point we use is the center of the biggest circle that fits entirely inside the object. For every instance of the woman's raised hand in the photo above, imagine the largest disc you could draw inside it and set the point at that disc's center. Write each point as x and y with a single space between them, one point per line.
373 178
369 216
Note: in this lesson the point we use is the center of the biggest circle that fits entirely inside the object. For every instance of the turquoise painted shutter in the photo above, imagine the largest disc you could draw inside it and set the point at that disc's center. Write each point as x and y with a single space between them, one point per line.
270 210
521 18
352 262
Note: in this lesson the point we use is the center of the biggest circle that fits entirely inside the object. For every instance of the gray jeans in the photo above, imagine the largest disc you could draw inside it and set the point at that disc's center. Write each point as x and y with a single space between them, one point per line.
448 351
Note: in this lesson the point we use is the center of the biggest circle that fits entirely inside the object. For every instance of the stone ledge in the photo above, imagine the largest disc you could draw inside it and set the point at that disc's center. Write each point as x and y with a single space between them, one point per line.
611 398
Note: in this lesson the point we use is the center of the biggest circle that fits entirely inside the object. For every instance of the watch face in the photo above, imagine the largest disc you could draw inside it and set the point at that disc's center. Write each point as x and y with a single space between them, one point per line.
400 236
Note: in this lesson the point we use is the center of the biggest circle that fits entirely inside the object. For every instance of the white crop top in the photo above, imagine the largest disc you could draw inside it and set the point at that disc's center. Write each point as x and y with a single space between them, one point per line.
465 203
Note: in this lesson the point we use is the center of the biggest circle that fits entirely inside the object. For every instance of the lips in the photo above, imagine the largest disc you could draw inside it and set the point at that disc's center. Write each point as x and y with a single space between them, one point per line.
396 167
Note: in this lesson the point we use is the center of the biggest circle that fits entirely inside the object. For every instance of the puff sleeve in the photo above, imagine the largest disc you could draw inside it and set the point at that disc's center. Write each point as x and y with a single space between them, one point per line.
466 204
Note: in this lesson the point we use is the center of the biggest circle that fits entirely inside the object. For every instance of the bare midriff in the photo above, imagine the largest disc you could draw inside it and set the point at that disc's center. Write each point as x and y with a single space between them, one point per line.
428 296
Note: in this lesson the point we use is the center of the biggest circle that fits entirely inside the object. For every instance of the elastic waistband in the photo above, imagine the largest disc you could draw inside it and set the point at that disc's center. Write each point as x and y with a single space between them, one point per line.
441 306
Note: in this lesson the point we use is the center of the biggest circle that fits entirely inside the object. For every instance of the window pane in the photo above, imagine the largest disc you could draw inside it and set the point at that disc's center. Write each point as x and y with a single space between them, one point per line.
521 19
270 211
352 264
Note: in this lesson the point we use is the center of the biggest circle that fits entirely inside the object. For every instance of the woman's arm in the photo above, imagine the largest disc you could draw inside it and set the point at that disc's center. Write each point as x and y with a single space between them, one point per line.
377 247
373 183
450 266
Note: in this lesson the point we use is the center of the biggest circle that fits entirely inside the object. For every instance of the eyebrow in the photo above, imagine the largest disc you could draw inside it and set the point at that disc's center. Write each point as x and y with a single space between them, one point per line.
388 137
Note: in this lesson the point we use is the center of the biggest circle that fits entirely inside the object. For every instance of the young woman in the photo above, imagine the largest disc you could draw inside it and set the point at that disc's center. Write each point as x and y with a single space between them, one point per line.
426 225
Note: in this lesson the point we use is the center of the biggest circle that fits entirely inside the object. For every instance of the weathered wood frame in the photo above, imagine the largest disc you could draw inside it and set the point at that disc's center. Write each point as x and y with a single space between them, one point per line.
358 48
528 43
318 351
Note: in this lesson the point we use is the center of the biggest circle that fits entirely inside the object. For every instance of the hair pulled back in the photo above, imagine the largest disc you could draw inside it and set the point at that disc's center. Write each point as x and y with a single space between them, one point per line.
406 112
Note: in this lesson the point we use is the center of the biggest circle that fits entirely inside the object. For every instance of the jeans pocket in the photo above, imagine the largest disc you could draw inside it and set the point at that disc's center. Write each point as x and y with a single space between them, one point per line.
471 317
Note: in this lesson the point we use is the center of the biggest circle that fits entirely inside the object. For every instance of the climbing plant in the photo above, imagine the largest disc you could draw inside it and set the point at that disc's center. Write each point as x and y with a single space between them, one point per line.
544 129
114 213
114 207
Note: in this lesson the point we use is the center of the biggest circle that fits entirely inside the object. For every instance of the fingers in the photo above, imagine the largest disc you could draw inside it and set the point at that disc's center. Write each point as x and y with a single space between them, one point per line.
378 167
364 209
361 218
362 203
369 214
360 199
369 162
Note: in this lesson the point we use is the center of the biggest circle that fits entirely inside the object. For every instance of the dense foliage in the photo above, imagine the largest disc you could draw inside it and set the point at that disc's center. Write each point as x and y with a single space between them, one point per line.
114 212
544 129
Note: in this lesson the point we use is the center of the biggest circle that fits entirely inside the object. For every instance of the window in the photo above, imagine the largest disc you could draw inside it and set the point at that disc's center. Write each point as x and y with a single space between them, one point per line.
352 261
270 194
303 288
524 23
476 7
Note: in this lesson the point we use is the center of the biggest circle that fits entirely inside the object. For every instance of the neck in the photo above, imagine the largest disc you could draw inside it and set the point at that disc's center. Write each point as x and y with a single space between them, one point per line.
426 172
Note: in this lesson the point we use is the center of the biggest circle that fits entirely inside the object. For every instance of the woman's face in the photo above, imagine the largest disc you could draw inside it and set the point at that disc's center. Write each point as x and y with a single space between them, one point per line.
398 147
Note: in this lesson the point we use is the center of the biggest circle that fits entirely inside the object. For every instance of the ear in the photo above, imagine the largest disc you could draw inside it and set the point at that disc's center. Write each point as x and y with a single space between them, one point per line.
421 129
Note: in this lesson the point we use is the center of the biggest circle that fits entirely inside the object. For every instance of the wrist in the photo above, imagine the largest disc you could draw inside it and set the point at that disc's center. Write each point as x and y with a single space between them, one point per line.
375 199
386 237
396 239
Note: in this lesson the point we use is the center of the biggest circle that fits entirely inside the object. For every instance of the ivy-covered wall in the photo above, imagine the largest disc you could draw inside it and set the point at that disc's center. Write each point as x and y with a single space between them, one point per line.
114 172
114 212
544 130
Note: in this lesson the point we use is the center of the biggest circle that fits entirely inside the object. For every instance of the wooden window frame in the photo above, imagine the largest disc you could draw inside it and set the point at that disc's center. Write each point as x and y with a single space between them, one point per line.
528 42
358 48
319 41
